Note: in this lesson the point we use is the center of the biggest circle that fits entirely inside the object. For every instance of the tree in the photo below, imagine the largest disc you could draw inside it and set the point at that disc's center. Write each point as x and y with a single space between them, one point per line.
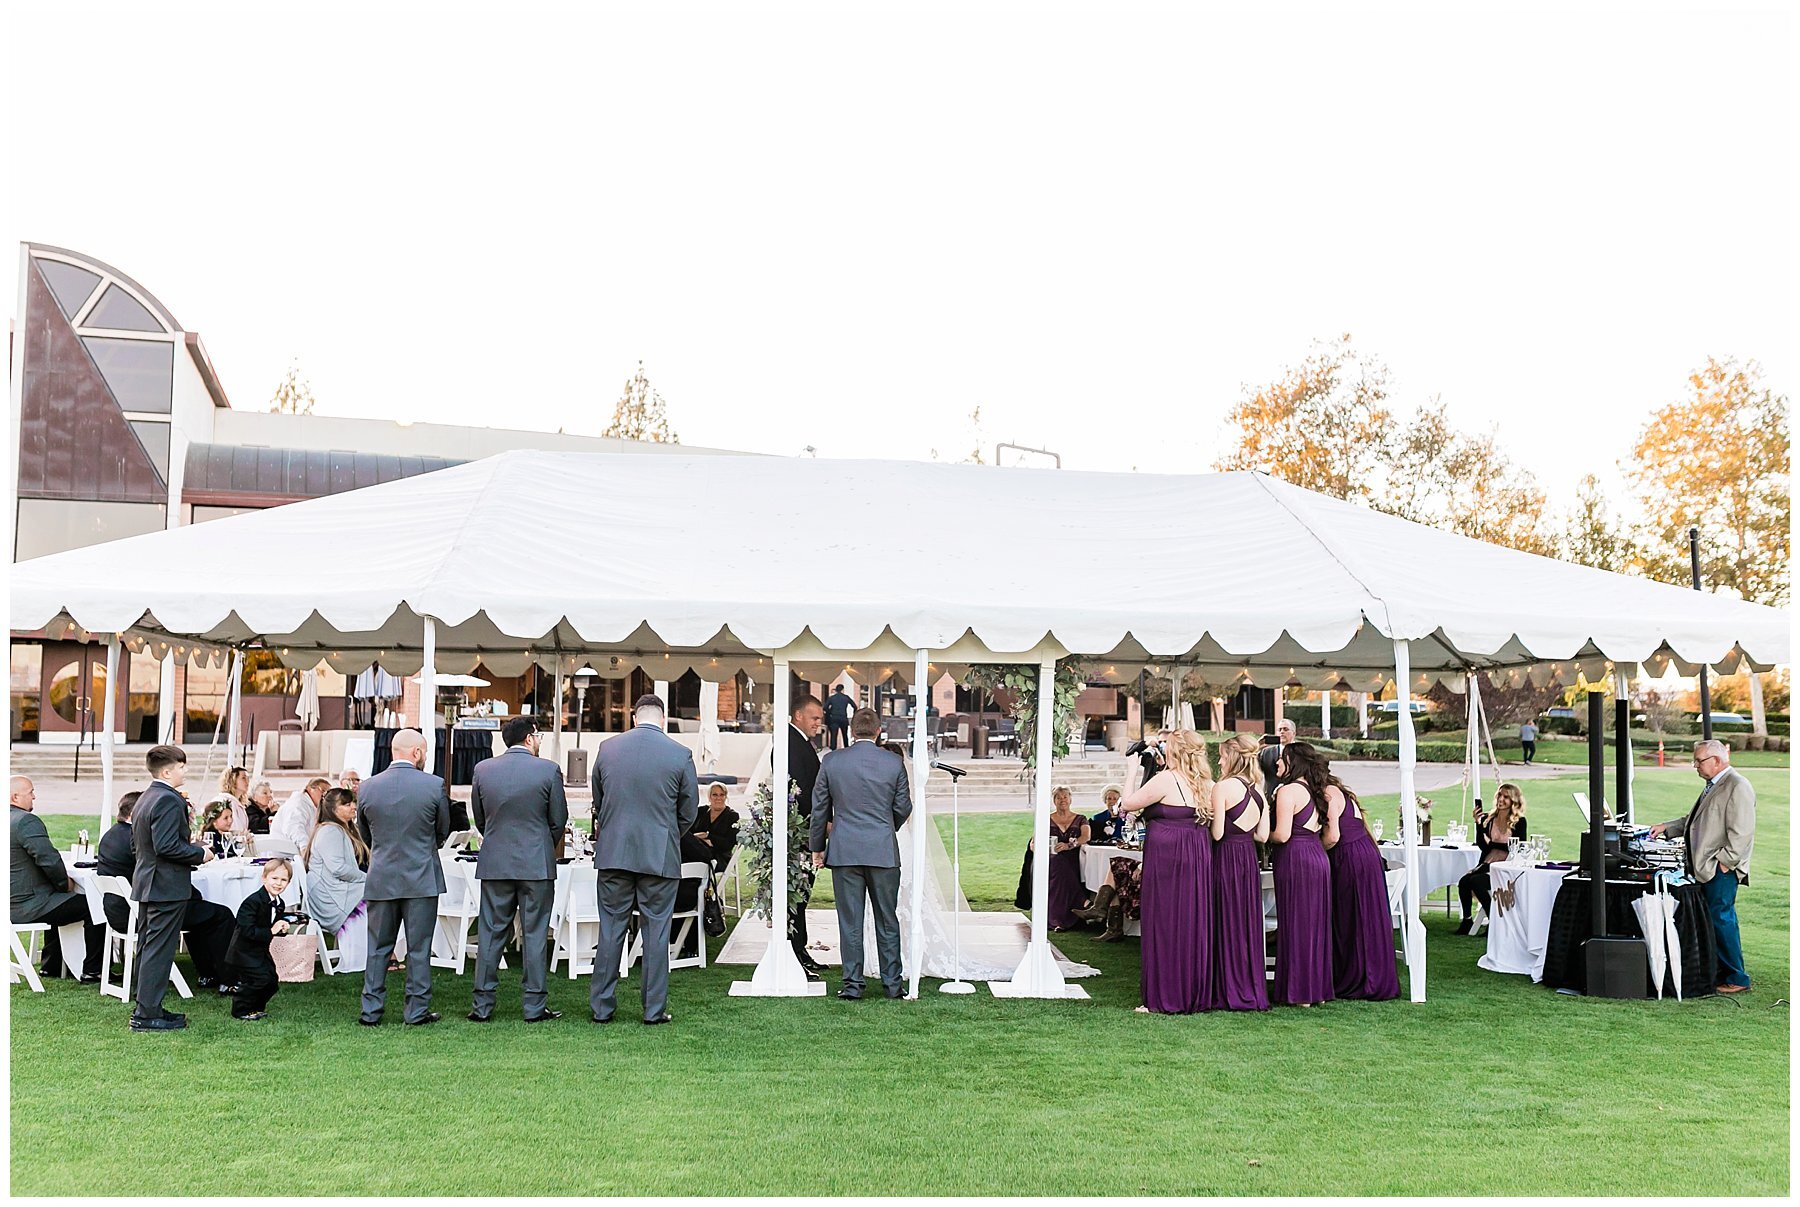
1502 706
294 395
1465 484
1323 425
641 413
1591 535
1718 461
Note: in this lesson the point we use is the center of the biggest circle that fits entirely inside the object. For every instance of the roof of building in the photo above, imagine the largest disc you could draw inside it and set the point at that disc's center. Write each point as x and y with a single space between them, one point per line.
235 475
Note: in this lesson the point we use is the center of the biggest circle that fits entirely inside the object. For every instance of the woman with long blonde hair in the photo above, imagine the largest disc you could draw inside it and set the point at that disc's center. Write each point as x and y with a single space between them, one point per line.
1240 820
1491 832
234 790
1177 901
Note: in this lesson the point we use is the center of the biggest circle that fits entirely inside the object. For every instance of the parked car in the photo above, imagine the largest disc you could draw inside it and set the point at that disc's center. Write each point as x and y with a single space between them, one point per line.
1727 718
1393 706
1569 713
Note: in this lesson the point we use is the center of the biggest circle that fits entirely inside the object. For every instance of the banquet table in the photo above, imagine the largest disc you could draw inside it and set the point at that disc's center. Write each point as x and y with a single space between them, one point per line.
1440 864
1096 862
1571 925
1519 918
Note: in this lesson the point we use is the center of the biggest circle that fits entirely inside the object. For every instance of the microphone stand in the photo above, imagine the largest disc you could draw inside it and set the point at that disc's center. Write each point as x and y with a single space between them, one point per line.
956 773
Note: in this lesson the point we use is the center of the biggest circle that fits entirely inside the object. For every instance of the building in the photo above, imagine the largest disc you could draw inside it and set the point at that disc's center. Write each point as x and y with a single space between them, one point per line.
121 426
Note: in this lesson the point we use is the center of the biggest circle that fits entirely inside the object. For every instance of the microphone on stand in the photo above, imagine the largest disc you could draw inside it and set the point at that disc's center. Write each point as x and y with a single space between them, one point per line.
951 769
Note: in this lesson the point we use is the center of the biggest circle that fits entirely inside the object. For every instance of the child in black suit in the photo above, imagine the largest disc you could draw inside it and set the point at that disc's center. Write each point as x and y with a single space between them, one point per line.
258 920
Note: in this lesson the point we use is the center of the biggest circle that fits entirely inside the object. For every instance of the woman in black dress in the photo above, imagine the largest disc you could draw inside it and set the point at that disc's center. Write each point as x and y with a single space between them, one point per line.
714 832
1492 831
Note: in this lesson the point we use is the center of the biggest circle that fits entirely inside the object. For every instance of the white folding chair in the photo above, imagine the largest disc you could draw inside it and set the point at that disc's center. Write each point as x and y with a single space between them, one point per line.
100 886
458 840
737 882
580 910
458 910
689 920
268 844
1396 890
23 954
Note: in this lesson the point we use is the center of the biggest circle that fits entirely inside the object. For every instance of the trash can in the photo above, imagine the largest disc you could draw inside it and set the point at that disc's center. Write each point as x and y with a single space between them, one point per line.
978 742
290 746
578 767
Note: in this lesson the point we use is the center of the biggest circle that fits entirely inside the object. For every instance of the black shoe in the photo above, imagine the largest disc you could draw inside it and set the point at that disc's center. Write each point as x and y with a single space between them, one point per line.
171 1023
480 1018
1466 926
88 978
366 1021
546 1017
813 973
893 992
807 962
850 993
659 1020
174 1017
595 1018
430 1018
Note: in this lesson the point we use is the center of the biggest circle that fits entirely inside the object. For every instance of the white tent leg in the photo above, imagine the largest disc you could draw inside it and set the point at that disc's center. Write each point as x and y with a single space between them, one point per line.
165 699
778 973
1325 715
110 714
428 695
1472 701
1409 813
1037 974
921 767
234 711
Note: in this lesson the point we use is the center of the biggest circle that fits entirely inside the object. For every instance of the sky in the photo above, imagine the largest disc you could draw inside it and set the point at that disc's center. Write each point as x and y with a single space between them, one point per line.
848 226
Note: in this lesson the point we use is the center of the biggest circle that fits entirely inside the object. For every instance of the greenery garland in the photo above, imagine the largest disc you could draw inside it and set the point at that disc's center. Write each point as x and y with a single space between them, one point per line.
1020 680
756 844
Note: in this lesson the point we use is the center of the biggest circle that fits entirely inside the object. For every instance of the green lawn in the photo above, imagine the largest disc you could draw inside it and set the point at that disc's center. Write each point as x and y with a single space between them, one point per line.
947 1095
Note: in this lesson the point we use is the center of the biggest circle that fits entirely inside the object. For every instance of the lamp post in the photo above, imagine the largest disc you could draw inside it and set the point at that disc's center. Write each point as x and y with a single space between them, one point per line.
581 689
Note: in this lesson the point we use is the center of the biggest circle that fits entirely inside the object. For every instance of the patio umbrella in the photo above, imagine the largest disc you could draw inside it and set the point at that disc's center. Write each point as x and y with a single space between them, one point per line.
1649 910
1671 940
710 747
307 709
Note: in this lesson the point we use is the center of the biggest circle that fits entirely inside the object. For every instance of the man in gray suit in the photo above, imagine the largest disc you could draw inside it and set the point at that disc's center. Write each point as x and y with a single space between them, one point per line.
404 817
859 803
519 807
1720 830
645 798
161 883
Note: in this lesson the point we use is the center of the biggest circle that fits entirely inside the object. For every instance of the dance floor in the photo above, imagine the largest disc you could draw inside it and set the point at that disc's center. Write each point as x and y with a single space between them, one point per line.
992 938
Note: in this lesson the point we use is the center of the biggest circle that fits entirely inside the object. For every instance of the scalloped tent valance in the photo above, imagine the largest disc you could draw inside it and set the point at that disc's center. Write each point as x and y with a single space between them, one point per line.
716 564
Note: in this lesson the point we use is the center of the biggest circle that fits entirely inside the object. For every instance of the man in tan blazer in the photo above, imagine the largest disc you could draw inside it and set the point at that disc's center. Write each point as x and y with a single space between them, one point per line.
1720 830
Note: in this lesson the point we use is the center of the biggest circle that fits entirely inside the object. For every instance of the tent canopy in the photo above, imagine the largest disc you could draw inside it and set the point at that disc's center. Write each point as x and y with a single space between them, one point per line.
716 564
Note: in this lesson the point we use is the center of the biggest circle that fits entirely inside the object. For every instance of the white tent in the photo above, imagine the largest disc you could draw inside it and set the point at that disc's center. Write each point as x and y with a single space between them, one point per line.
559 558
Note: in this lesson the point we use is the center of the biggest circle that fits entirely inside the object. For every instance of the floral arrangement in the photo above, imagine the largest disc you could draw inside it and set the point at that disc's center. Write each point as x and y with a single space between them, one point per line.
756 842
1020 681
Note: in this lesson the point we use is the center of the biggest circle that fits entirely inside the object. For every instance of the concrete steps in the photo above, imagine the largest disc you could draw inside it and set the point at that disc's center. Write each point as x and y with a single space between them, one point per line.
1006 778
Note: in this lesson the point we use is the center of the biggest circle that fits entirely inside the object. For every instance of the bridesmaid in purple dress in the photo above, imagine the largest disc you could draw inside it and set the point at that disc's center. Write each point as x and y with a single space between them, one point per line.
1068 834
1302 889
1177 890
1362 925
1239 822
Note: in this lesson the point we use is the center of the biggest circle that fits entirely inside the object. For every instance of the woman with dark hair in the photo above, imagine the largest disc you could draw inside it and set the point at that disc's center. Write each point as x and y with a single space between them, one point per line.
215 828
337 862
1362 925
1302 881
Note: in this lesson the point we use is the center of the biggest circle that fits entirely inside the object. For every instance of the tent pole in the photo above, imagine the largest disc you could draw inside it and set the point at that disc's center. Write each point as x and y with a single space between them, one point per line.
1472 702
234 694
1325 714
110 711
778 973
1037 974
921 768
1415 947
428 696
1596 868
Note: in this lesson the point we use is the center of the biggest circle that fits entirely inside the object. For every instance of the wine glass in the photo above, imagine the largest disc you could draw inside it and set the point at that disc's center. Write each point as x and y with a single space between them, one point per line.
1377 829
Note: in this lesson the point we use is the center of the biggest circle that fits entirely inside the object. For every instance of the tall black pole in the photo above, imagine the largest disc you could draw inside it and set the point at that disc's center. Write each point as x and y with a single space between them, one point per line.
1597 808
1705 692
1622 802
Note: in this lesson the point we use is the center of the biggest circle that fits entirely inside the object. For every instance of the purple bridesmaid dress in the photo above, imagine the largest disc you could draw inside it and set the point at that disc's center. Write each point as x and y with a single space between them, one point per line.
1241 982
1362 927
1302 916
1177 908
1065 879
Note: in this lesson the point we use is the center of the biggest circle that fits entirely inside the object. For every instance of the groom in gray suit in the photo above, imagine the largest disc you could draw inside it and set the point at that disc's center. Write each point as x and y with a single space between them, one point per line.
646 797
404 817
519 806
859 803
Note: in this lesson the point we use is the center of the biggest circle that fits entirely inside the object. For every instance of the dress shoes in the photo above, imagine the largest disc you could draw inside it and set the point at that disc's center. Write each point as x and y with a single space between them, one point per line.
430 1018
893 991
850 993
480 1018
366 1021
546 1017
813 973
595 1018
659 1020
174 1022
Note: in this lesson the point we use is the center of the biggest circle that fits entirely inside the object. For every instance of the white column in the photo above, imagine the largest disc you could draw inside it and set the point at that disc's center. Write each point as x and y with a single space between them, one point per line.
557 709
1415 930
921 768
234 697
165 700
110 714
778 973
428 694
1472 703
1325 715
661 688
1037 974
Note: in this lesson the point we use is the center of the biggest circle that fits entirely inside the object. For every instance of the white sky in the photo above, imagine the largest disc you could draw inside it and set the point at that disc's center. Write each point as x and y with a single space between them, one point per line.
838 227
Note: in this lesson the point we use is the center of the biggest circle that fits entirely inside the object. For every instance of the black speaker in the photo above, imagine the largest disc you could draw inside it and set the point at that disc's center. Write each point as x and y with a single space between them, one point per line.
1618 968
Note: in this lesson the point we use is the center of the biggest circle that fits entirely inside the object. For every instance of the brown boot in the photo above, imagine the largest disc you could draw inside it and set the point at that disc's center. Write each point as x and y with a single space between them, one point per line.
1115 923
1097 911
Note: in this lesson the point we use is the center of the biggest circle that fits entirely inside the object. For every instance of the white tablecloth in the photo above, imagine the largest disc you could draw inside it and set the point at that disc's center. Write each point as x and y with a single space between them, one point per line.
1439 865
1096 863
1519 932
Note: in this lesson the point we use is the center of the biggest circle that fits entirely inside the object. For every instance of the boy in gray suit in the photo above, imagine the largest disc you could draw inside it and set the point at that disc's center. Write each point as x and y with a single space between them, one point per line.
646 796
520 808
404 817
859 803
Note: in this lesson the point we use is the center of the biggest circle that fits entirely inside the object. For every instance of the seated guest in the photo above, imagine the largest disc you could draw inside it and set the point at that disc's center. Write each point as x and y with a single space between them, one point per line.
216 828
1491 832
349 778
261 807
337 862
1118 900
259 919
1107 827
206 926
714 832
234 790
295 822
42 890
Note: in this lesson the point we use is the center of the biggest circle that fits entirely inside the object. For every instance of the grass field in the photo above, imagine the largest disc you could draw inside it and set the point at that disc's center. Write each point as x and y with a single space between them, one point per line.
1493 1086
